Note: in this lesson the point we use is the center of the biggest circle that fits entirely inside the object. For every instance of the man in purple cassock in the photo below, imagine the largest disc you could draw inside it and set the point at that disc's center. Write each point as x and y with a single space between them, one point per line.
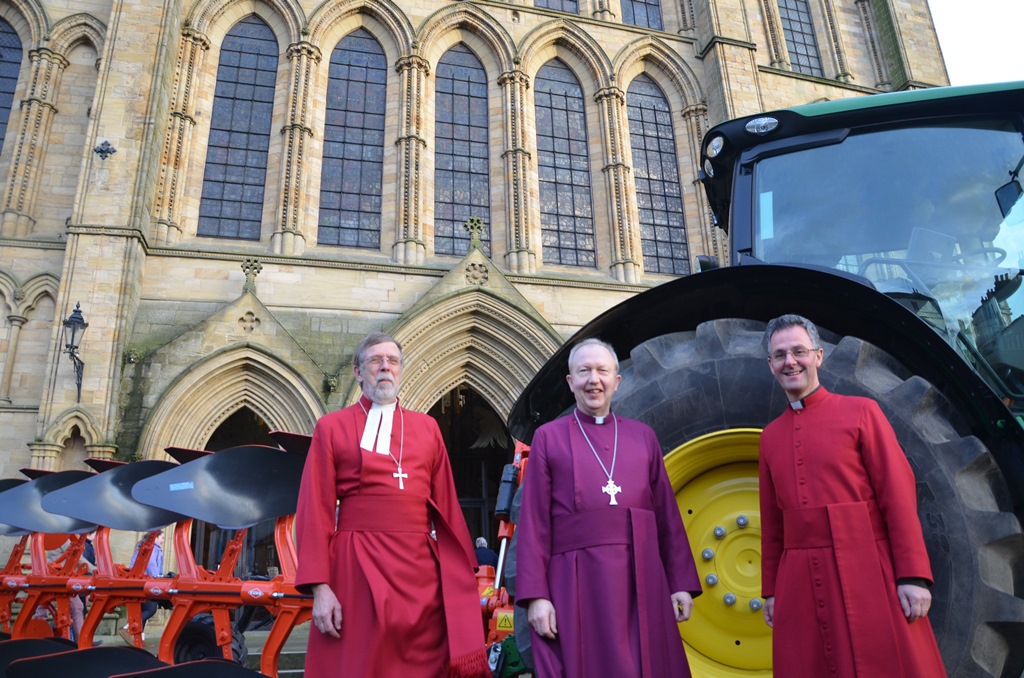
604 567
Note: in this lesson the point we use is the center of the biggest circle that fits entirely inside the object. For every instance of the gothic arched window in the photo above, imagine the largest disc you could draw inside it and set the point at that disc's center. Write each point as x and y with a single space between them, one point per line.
799 31
563 166
236 157
10 66
461 183
659 194
646 13
353 164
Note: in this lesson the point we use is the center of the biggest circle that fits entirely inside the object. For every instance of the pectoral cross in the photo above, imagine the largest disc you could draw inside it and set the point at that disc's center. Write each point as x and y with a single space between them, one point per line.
400 476
611 489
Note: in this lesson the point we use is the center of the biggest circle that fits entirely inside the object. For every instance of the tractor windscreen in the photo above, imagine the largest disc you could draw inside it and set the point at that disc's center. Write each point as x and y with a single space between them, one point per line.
932 215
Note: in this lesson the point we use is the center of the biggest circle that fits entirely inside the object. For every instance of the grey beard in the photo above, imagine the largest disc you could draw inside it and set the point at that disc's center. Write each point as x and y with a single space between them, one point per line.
383 392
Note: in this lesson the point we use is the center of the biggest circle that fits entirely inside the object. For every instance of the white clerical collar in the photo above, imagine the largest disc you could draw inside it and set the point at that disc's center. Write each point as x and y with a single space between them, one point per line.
801 404
378 428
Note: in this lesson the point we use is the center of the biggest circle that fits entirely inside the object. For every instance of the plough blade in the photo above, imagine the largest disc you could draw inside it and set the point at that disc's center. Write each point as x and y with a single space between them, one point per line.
106 499
21 506
233 489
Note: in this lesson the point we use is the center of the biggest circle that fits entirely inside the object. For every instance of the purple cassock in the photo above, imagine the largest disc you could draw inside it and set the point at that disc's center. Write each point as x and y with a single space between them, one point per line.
608 568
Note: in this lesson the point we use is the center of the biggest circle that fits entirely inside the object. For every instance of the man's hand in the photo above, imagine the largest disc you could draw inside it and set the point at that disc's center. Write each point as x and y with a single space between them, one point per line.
769 610
541 615
916 601
682 605
326 611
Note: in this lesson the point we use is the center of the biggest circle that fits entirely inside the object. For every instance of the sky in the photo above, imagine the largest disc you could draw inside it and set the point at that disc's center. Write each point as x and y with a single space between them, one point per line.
982 40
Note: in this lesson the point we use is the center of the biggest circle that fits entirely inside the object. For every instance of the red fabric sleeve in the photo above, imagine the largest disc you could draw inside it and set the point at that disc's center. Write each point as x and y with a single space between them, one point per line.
895 492
316 513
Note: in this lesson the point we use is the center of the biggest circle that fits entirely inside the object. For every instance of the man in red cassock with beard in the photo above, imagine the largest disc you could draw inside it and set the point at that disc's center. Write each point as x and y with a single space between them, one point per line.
382 542
845 573
603 564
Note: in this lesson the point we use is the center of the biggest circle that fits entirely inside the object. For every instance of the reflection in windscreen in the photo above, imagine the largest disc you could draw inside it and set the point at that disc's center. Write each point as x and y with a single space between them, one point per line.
914 211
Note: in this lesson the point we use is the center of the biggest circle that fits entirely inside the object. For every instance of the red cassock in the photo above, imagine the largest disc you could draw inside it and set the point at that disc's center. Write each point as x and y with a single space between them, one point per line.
409 601
839 527
608 570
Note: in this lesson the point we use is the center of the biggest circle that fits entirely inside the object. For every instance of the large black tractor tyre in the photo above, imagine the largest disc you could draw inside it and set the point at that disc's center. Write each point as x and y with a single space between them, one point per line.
198 640
708 392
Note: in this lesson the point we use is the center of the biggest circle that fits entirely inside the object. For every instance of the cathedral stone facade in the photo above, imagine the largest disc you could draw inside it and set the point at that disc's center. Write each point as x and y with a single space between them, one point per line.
236 191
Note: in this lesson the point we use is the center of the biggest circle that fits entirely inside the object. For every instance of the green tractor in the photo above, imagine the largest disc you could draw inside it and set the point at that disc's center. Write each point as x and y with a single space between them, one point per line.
896 223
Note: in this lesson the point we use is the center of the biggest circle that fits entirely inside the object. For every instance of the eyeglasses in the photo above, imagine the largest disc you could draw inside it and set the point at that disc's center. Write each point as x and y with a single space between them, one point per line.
378 360
798 353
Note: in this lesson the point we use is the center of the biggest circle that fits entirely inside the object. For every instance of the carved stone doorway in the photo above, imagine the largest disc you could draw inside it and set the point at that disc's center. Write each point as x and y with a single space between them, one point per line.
479 445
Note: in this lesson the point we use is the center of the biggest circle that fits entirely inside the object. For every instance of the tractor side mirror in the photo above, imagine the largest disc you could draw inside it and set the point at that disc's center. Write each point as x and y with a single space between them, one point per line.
1007 196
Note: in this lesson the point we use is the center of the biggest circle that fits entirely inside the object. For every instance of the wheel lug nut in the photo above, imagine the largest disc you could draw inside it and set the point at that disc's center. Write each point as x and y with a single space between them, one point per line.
730 598
719 532
711 579
755 604
742 520
707 554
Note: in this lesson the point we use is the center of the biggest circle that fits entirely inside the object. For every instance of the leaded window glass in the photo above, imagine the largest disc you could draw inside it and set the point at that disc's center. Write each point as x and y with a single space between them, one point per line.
461 178
353 161
799 32
10 66
236 157
646 13
563 166
659 194
567 6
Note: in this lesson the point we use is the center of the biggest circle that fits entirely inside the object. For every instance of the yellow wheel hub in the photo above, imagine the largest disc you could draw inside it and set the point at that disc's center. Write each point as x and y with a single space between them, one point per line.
715 481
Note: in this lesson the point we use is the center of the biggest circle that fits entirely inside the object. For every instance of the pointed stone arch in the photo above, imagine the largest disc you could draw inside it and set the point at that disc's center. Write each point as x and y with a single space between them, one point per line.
475 338
471 19
50 449
671 68
77 28
28 18
208 15
327 24
244 375
32 290
545 42
63 426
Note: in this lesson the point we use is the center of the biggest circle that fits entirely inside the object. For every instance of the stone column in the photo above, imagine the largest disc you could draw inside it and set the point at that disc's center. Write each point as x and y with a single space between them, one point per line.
100 451
606 10
45 455
623 215
712 238
410 247
519 176
36 116
777 50
12 352
174 160
835 38
288 238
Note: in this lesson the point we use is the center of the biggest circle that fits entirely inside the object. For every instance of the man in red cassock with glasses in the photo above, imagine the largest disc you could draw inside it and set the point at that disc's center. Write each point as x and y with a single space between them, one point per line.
382 542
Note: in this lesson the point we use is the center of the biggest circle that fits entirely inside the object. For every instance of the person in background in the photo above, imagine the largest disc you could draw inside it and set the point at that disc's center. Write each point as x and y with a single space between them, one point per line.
154 568
484 555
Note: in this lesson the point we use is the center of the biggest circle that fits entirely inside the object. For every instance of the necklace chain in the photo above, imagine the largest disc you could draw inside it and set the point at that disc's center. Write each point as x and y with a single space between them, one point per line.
615 445
401 444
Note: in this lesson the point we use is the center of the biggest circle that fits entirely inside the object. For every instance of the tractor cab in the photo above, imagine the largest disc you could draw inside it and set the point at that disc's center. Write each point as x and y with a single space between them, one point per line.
921 200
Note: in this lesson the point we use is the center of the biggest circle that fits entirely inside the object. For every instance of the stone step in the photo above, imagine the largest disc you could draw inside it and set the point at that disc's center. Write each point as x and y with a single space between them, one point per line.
292 660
